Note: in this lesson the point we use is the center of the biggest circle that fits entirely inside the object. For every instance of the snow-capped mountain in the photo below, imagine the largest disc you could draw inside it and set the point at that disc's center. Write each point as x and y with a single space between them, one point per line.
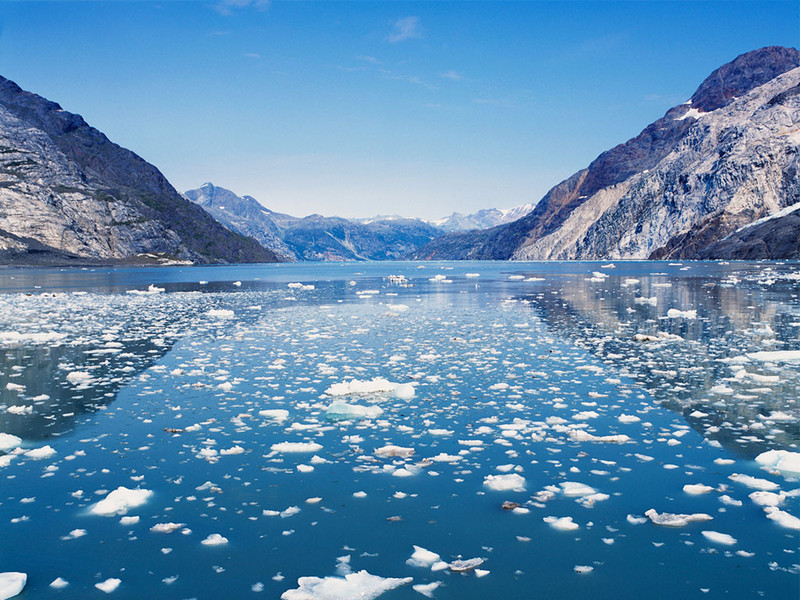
683 188
483 219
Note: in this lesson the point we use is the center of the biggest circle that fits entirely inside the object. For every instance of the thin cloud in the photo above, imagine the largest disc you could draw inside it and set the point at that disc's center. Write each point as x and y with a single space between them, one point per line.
453 75
252 55
228 7
370 59
405 29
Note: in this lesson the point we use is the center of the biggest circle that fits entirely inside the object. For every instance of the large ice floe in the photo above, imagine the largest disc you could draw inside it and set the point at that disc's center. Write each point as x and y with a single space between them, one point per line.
120 501
11 584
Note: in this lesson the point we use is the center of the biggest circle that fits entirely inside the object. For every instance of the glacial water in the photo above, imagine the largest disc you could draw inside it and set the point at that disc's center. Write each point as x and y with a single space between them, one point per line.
318 421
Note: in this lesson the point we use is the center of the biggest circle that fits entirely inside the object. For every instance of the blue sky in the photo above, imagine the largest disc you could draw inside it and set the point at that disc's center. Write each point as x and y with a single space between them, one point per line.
360 108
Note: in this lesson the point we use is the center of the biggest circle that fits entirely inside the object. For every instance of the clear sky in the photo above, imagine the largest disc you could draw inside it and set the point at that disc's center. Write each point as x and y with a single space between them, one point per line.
364 107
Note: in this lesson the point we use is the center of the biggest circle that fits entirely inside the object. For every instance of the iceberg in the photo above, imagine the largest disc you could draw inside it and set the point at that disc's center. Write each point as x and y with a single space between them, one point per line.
120 501
361 585
11 584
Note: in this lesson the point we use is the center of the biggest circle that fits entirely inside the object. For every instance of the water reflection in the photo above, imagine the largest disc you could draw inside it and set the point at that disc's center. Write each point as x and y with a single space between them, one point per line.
695 364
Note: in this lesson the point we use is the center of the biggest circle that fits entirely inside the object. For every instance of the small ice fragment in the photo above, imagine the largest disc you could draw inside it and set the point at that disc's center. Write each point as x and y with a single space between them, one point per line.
674 313
780 460
463 566
634 520
767 498
755 483
257 587
129 520
426 589
11 584
8 442
583 569
361 585
120 500
394 451
623 418
562 523
59 583
220 313
278 414
697 488
422 557
296 447
39 453
214 539
78 377
109 585
675 520
719 538
502 483
359 494
342 411
572 489
782 518
166 527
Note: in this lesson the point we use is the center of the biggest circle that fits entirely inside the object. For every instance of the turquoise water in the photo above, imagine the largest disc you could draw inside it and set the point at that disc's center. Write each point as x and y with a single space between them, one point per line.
523 369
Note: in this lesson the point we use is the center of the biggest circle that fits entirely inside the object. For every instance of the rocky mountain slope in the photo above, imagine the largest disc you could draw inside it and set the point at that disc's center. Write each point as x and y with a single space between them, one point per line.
69 194
314 237
683 188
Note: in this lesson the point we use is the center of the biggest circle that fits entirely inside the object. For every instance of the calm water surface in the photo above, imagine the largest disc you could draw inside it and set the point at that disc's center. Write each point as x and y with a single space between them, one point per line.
324 419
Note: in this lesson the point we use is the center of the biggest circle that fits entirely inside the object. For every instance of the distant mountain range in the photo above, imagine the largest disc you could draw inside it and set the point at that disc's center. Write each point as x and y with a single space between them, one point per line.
70 195
693 184
334 238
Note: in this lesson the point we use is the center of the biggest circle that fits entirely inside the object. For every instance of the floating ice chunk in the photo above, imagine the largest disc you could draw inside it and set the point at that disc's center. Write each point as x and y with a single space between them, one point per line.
572 489
8 442
58 583
426 589
129 520
652 301
674 313
582 569
755 483
397 308
232 450
278 414
422 558
767 498
11 584
405 391
296 447
14 387
341 411
357 386
361 585
782 518
43 452
402 472
579 435
502 483
634 520
359 494
775 355
394 451
305 468
79 377
166 527
220 313
697 488
562 523
471 275
109 585
675 520
661 336
722 390
780 460
214 539
120 501
725 499
463 566
623 418
719 538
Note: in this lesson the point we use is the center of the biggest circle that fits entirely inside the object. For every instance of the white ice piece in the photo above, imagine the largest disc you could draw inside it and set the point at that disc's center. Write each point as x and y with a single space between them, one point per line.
296 447
422 558
512 482
361 585
109 585
11 584
675 520
719 538
120 501
214 539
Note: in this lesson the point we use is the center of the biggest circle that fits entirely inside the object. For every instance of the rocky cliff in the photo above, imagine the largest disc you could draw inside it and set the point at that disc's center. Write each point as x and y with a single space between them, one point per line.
67 194
722 160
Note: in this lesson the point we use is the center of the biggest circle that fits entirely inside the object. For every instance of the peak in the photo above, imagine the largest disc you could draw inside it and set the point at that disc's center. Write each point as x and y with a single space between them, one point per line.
744 73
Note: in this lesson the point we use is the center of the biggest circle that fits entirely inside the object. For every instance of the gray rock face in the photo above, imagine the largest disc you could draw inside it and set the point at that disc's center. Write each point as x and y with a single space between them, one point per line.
708 167
66 188
314 237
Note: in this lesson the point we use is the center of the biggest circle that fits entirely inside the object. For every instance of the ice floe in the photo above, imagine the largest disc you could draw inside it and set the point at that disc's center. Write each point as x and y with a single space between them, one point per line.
120 501
11 584
675 520
361 585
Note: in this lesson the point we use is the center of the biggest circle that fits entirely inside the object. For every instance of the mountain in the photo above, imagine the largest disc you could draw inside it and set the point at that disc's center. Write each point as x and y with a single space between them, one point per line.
683 188
483 219
314 237
68 194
